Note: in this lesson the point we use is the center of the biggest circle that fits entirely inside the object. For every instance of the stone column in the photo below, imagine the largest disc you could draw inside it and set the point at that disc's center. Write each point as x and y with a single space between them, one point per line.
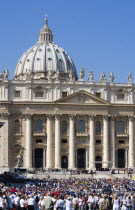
57 142
29 141
131 143
49 142
92 143
71 143
87 158
105 143
112 136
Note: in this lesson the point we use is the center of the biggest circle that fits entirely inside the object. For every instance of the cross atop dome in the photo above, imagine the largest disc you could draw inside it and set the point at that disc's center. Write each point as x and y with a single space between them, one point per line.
46 33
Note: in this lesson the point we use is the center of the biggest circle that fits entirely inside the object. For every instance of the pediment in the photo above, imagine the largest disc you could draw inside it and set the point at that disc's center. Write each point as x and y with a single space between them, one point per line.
82 97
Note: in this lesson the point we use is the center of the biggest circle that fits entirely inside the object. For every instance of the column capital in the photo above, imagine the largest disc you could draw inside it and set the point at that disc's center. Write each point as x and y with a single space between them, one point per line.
113 117
28 116
71 116
4 116
91 117
131 118
49 116
57 116
105 117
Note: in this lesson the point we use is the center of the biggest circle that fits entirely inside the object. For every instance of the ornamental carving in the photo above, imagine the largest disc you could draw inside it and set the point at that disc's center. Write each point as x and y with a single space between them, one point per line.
4 116
82 141
82 97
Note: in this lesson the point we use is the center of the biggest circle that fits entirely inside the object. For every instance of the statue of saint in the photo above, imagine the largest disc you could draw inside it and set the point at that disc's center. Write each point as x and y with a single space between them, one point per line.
6 74
20 159
129 78
28 74
70 75
103 76
91 76
111 77
81 74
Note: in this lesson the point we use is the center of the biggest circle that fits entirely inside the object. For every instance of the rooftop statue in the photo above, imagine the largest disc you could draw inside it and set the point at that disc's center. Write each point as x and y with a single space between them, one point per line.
111 77
91 76
81 74
129 78
6 74
103 77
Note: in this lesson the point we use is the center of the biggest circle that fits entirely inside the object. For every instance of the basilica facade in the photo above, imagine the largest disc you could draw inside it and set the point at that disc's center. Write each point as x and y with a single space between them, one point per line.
51 118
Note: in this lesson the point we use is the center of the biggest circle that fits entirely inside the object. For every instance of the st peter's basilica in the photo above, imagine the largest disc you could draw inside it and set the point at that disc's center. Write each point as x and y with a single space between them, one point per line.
51 118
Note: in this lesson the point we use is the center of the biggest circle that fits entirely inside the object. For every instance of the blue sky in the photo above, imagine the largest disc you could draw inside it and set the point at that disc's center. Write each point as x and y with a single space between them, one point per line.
99 35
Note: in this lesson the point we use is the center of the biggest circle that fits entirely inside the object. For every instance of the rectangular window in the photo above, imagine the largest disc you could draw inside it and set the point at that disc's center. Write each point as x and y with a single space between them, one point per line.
121 96
38 140
121 141
64 94
64 141
98 141
17 94
98 95
39 94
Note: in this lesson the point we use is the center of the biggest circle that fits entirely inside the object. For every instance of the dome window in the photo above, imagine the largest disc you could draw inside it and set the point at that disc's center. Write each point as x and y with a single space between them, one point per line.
57 51
28 60
38 59
40 50
49 59
49 50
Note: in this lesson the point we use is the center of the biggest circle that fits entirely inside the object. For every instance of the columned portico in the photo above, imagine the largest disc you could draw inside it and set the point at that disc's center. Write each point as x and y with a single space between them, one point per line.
131 143
71 143
57 142
28 142
105 143
49 142
92 143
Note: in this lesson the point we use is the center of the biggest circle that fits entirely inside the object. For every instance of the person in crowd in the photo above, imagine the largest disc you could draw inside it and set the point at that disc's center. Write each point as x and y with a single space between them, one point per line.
129 203
69 203
23 203
60 203
41 203
116 202
104 204
31 202
48 201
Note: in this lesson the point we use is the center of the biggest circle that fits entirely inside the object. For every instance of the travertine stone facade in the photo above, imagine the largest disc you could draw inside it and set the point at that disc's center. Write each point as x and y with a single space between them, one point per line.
52 119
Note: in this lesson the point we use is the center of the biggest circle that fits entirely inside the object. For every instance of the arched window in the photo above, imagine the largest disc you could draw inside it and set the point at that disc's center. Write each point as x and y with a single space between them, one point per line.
17 126
98 127
39 126
81 126
121 127
64 126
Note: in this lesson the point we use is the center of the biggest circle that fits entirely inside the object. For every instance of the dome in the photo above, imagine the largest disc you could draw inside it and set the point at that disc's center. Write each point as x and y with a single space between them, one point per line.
45 60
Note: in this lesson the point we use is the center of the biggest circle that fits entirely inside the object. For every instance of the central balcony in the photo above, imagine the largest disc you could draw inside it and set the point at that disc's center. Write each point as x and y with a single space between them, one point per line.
82 134
39 133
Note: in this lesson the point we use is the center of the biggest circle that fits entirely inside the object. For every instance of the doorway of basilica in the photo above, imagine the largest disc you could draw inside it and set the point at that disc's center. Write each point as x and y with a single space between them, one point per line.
64 162
81 158
38 157
121 158
98 163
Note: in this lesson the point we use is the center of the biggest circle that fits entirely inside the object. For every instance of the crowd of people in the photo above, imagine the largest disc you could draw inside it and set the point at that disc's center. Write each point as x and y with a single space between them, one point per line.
21 193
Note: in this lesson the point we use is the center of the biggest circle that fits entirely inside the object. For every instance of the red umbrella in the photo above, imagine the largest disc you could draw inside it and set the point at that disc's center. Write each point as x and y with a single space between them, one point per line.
13 190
